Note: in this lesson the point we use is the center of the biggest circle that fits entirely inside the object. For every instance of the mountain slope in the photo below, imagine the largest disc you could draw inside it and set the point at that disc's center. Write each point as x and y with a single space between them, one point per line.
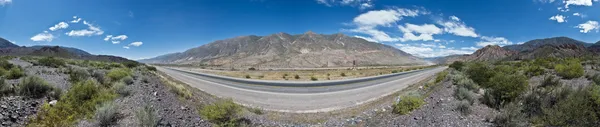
285 50
6 44
487 53
538 43
595 48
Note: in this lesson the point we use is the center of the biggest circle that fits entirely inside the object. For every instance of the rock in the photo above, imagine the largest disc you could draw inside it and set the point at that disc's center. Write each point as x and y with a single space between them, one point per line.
53 102
3 106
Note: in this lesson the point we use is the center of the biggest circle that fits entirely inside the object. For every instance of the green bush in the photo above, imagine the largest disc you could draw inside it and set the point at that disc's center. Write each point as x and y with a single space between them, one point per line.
313 78
147 116
119 88
5 64
596 78
441 76
5 89
131 64
100 77
297 77
395 71
118 74
480 73
34 87
127 80
572 69
550 80
407 104
248 76
505 88
78 74
106 114
15 73
3 72
578 108
343 74
151 68
464 94
458 65
534 71
223 112
52 62
511 116
464 107
468 84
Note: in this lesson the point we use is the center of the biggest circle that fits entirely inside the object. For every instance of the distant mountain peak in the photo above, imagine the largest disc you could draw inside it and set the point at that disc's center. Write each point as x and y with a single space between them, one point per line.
310 32
7 44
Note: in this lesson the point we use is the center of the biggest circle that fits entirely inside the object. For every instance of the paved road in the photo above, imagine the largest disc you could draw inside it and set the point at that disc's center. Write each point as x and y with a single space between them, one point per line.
307 96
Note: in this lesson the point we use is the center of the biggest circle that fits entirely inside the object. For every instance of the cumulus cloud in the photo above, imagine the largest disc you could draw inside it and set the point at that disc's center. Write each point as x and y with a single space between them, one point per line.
61 25
558 18
126 47
588 26
577 2
501 41
136 44
92 30
45 36
425 31
457 27
546 1
5 2
368 22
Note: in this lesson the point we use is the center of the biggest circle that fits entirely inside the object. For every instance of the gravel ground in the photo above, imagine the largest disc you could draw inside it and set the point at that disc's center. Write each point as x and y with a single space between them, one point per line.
15 111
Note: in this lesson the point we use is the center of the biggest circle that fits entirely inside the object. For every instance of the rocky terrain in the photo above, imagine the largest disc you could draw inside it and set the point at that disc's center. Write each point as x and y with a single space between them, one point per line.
283 50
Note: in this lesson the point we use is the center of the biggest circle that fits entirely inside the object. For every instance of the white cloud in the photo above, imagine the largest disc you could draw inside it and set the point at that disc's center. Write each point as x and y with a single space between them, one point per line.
384 17
501 41
456 27
428 50
61 25
558 18
580 15
546 1
120 37
136 44
107 37
376 35
366 38
588 26
5 2
126 47
421 29
92 30
45 36
576 14
577 2
75 20
362 4
116 42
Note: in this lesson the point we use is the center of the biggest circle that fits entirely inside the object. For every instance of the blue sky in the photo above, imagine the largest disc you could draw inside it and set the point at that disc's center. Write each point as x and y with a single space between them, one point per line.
138 29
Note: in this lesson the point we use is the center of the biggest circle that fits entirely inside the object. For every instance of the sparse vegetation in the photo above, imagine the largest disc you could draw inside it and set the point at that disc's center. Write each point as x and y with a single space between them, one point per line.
407 104
571 69
297 77
222 113
5 89
118 74
441 76
151 68
15 73
313 78
119 88
106 115
127 80
248 76
458 65
464 107
34 87
147 116
464 94
343 74
78 75
505 88
52 62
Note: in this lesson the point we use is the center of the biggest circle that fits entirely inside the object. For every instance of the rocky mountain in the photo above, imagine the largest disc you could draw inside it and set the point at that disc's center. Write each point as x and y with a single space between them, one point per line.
487 53
559 51
6 44
285 50
537 43
595 48
8 48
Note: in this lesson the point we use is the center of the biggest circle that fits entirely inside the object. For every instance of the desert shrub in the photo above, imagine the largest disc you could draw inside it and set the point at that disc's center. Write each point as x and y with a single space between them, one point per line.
222 113
52 62
5 64
34 87
100 77
127 80
441 76
480 73
257 111
458 65
79 102
252 69
248 76
464 107
296 76
468 84
147 116
395 71
511 116
534 70
145 79
464 94
313 78
407 104
119 88
78 74
596 78
5 89
118 74
505 88
578 108
571 69
550 80
130 64
343 74
3 72
151 68
106 114
15 73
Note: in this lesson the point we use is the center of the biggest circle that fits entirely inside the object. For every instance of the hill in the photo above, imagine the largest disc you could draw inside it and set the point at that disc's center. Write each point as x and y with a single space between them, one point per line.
283 50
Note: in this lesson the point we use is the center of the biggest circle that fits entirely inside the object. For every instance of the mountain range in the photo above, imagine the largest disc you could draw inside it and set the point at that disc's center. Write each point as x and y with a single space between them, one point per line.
549 47
9 48
283 50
